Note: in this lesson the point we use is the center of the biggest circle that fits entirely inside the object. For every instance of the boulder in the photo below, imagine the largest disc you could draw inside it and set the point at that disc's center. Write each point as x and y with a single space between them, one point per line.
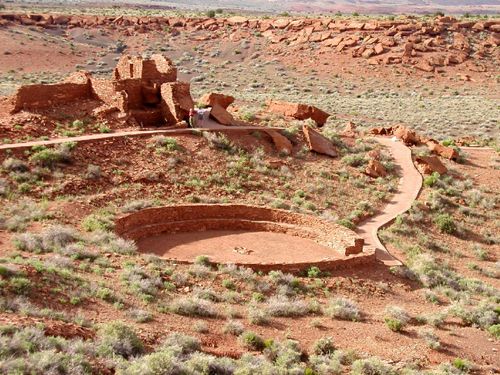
409 137
375 169
212 99
350 130
318 142
430 164
298 111
444 151
176 101
220 115
282 143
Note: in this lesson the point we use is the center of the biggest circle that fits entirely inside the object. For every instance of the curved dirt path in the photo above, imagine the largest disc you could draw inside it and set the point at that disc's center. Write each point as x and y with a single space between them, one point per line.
130 133
409 187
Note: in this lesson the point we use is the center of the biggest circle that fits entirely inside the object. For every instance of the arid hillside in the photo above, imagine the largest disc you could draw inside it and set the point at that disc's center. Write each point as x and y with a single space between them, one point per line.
192 193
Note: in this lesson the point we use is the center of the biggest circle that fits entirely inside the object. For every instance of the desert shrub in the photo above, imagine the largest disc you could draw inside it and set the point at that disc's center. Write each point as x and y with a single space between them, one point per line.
430 338
283 306
494 330
78 251
140 316
483 315
134 206
431 180
219 141
210 13
354 160
117 338
233 327
160 362
207 294
251 341
445 223
17 215
201 327
144 283
57 236
372 366
28 242
15 165
347 223
170 144
323 346
314 272
462 365
93 172
120 245
396 318
343 308
50 157
202 260
187 344
192 306
324 365
257 315
200 271
98 222
29 351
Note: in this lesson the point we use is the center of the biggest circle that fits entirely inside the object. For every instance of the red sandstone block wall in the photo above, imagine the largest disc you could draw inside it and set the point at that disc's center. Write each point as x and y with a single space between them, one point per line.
43 96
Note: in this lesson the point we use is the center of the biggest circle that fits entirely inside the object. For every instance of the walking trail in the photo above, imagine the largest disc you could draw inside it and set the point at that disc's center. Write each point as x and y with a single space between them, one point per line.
408 189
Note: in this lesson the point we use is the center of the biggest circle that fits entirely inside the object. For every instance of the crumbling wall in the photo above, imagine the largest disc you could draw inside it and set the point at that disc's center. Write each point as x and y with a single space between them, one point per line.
158 68
105 90
44 96
176 101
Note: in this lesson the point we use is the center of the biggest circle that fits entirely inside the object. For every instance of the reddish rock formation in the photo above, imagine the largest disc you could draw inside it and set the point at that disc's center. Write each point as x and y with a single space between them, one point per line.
298 111
282 143
444 151
430 164
318 142
222 116
213 99
375 169
409 137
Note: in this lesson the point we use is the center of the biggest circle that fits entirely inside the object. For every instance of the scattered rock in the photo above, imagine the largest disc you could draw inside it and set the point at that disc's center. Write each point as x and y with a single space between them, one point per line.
298 111
444 151
375 169
318 142
430 164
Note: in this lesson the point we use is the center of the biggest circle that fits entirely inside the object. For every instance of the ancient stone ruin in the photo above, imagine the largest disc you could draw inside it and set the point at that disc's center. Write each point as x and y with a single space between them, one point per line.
146 90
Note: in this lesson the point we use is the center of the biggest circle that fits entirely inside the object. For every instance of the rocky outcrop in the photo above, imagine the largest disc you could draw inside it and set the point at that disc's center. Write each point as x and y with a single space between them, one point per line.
212 99
430 164
443 151
408 136
375 169
318 142
282 143
298 111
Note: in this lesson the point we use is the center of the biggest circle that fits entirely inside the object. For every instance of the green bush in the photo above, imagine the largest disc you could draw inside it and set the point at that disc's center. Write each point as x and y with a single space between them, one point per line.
394 324
324 346
210 13
347 223
445 223
495 330
431 180
251 341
